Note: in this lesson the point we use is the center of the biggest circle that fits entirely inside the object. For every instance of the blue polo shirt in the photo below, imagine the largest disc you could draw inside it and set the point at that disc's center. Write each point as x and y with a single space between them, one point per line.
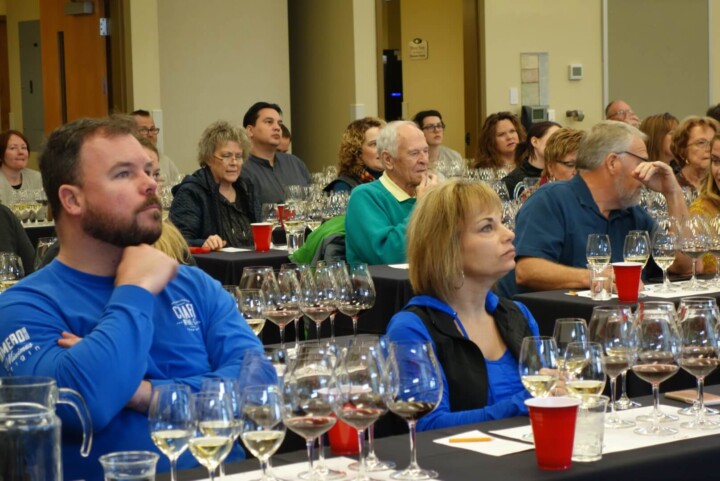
554 224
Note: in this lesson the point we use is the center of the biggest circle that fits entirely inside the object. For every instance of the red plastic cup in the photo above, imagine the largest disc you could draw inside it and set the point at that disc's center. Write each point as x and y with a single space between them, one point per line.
262 233
281 214
343 439
627 280
553 425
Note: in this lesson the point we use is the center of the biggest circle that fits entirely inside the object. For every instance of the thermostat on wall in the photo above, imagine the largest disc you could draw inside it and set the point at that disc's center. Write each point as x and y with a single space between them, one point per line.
575 71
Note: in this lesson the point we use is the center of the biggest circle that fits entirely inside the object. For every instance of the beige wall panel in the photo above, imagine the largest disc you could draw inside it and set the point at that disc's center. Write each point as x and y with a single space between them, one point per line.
322 65
568 30
438 82
17 11
217 57
658 55
714 52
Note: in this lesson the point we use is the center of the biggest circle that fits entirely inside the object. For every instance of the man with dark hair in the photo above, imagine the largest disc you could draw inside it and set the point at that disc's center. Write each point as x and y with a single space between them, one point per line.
146 128
268 169
111 317
714 112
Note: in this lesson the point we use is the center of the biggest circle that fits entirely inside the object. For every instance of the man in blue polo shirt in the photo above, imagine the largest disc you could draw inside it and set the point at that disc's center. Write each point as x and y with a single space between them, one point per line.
552 227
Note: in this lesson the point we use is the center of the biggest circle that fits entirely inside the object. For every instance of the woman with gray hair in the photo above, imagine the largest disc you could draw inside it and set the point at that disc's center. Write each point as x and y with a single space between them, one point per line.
214 207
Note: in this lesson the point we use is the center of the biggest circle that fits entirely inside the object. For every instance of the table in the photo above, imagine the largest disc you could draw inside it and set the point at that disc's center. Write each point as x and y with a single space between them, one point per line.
227 267
678 460
36 230
546 306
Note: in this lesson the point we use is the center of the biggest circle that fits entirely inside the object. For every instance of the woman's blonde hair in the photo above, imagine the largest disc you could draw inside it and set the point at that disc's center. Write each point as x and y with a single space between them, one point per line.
709 189
434 250
172 243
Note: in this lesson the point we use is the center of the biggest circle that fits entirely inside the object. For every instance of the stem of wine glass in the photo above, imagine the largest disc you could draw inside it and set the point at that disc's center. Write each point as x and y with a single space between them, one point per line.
297 331
701 400
656 407
332 326
716 279
263 468
282 337
693 279
623 385
310 443
361 466
222 470
355 323
666 281
413 447
371 445
321 452
173 469
613 383
211 474
317 329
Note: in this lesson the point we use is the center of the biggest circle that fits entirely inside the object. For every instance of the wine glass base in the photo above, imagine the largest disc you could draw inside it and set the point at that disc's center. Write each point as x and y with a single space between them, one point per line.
692 411
617 423
655 431
414 474
662 418
320 474
700 425
373 466
623 404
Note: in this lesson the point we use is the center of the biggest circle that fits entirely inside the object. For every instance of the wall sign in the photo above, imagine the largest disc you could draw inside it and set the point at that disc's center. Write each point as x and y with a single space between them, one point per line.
418 49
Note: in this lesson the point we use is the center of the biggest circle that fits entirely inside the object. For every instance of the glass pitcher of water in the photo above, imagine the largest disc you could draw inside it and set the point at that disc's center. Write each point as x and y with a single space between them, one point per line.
30 429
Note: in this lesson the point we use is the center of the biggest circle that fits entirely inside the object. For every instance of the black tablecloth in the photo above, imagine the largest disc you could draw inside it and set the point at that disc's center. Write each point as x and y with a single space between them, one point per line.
690 458
227 267
36 231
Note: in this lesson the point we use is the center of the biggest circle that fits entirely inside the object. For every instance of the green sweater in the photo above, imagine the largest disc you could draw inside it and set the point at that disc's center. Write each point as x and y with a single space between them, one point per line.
305 254
375 225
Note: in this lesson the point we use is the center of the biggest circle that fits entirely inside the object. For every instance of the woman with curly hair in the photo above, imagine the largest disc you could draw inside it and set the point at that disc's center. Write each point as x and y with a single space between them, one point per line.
500 135
359 161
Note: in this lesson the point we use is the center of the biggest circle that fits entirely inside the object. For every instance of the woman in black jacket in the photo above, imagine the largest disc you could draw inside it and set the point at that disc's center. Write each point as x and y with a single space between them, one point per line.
214 207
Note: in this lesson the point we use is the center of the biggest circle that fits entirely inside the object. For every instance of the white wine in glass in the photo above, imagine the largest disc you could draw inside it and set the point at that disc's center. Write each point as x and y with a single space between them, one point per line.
171 420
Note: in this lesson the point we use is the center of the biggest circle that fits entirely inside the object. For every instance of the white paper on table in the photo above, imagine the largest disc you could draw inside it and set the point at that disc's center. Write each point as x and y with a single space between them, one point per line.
496 447
399 266
291 471
234 249
652 290
616 440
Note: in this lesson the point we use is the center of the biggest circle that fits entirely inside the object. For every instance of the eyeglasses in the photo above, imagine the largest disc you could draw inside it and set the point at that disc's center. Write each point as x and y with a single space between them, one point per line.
228 157
568 163
621 114
439 126
146 131
644 159
702 144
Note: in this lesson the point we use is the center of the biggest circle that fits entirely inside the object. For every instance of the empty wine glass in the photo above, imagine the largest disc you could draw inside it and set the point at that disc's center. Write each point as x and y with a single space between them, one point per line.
713 225
171 420
415 388
697 319
618 341
215 429
251 303
664 248
360 392
262 424
298 269
308 398
361 294
342 288
253 277
583 368
658 349
693 243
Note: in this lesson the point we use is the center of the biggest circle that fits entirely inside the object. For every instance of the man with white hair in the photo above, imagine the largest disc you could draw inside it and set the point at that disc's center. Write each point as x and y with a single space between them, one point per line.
378 212
552 227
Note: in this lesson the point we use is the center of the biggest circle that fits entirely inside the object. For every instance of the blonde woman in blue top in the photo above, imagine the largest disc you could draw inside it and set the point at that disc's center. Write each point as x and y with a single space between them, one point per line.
457 249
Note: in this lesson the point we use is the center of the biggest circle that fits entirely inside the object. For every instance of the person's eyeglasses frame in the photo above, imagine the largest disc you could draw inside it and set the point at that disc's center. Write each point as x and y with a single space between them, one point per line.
147 131
228 157
433 127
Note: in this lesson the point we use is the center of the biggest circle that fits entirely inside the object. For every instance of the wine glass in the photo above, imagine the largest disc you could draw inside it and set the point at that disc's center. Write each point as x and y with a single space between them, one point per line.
282 296
538 367
713 224
171 420
342 289
664 248
583 368
215 429
11 270
415 388
697 318
598 251
637 247
658 349
372 462
253 277
298 269
693 243
615 331
230 388
263 430
318 295
251 303
567 330
361 295
309 398
360 392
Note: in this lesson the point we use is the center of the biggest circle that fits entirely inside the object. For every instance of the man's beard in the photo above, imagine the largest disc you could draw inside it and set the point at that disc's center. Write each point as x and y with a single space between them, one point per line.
102 227
626 198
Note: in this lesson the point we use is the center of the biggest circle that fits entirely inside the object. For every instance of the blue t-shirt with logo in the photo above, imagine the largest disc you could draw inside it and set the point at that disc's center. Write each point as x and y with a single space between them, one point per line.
191 330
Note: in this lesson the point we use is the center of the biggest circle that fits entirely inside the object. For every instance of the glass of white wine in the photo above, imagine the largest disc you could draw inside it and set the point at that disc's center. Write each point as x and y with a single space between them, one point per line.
664 248
215 430
567 330
637 248
251 303
598 251
171 420
262 427
538 367
583 368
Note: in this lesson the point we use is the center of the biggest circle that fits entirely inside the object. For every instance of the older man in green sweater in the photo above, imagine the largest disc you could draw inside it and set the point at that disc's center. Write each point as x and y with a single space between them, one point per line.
378 212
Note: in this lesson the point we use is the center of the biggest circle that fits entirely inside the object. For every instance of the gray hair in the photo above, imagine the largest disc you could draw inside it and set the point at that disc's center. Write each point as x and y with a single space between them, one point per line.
387 140
605 137
219 133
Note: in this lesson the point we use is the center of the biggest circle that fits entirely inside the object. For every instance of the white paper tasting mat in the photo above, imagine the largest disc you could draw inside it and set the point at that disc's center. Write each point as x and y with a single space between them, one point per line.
291 471
617 440
234 249
495 447
399 266
652 290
